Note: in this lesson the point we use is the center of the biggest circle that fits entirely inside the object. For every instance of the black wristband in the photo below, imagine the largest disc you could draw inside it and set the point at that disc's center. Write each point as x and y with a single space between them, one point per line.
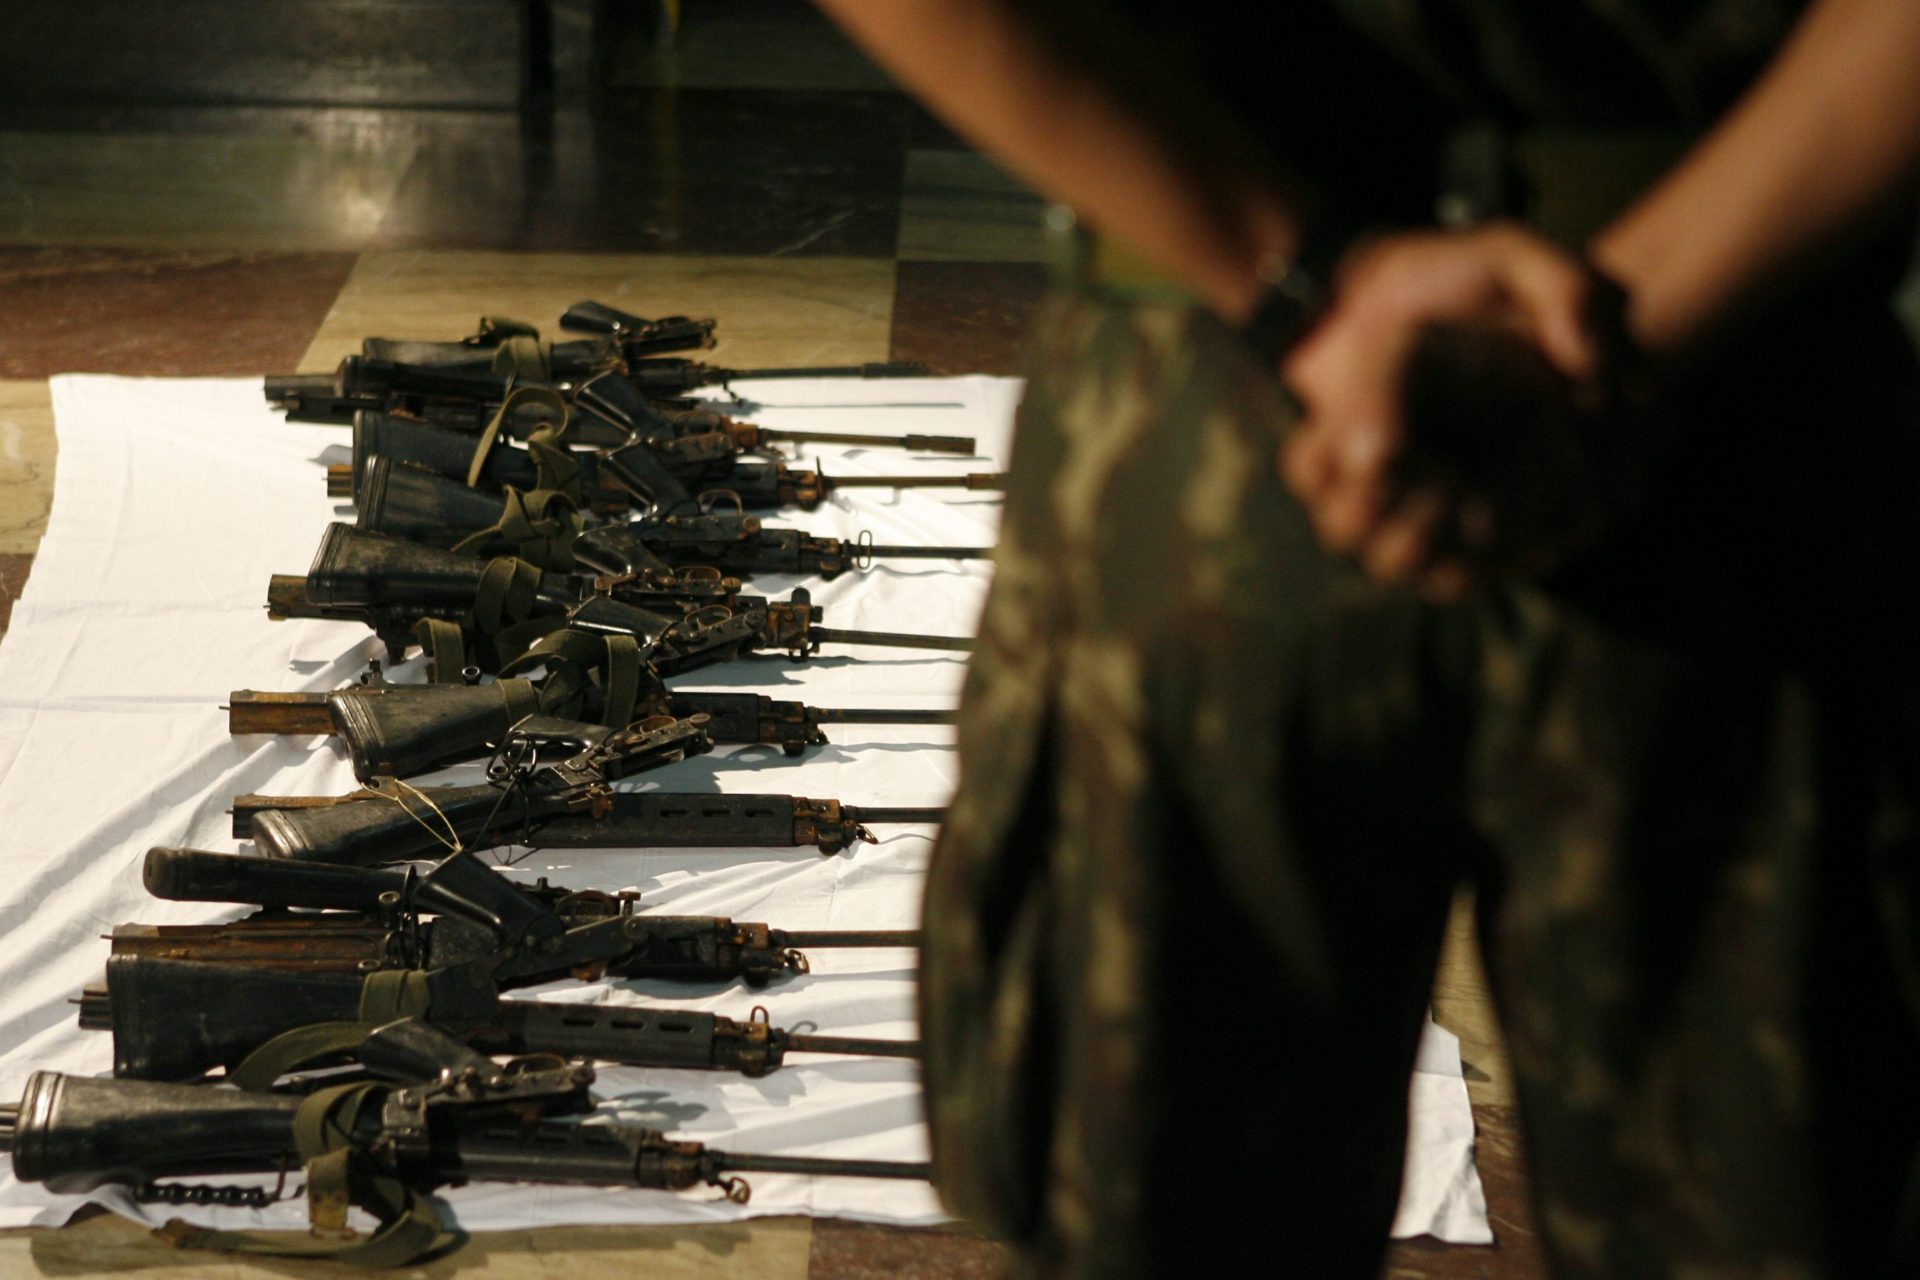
1287 308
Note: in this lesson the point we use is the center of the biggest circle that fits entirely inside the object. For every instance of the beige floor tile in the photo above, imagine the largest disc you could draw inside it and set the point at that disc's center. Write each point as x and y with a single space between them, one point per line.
958 206
1463 1005
26 465
193 191
766 1249
771 311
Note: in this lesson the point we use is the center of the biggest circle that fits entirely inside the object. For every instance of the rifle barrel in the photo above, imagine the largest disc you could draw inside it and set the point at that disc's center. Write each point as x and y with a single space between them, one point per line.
850 937
889 369
819 1166
935 814
990 480
877 715
890 639
882 551
964 445
808 1042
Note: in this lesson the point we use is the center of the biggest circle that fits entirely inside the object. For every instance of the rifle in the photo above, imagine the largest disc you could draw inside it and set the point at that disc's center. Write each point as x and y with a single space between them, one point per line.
399 730
377 825
670 376
396 821
239 1017
458 1117
392 585
739 544
631 472
439 511
619 336
358 920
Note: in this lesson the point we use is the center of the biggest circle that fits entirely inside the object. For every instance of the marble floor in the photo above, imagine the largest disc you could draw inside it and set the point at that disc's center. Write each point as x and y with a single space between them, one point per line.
755 169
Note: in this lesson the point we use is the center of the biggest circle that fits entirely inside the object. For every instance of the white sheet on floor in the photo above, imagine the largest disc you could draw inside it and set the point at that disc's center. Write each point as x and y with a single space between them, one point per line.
174 502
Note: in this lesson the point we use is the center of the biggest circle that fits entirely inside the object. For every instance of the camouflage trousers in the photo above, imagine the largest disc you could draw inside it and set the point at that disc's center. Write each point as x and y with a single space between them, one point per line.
1218 791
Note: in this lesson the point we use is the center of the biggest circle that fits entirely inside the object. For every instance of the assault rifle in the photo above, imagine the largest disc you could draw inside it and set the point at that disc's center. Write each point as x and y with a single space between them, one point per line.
465 394
455 1117
439 511
321 918
623 475
179 1019
384 824
619 336
399 730
391 585
395 822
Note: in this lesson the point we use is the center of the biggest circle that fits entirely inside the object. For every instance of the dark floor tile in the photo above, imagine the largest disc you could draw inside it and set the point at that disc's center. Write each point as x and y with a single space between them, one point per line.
1515 1253
965 317
423 52
140 312
705 171
13 580
845 1250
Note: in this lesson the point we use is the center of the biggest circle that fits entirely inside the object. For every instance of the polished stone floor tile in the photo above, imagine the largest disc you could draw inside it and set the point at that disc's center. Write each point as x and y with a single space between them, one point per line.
764 1249
845 1250
13 580
160 313
960 206
966 317
663 170
26 466
263 192
785 311
423 52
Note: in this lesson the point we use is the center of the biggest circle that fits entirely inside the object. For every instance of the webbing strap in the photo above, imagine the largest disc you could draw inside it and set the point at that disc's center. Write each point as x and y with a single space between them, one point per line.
555 467
571 657
386 996
505 594
523 355
515 398
543 525
446 646
291 1050
339 1175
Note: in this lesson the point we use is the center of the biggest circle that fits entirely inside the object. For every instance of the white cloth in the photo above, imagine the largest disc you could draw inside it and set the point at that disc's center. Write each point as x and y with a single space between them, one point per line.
174 502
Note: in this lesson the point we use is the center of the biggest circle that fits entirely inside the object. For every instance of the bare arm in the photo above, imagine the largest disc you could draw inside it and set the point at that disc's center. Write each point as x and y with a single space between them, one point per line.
1827 140
994 77
1825 143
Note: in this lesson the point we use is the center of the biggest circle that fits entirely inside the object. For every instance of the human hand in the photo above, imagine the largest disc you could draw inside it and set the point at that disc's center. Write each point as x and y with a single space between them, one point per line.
1441 394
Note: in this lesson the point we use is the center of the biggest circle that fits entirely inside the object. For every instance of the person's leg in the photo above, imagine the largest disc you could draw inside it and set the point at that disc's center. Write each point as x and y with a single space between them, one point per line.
1183 919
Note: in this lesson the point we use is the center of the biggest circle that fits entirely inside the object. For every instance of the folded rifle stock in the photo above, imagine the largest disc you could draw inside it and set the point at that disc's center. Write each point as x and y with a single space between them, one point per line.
320 917
399 730
371 828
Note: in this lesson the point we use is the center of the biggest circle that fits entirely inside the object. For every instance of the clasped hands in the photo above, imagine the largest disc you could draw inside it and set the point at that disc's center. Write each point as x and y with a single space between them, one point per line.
1461 413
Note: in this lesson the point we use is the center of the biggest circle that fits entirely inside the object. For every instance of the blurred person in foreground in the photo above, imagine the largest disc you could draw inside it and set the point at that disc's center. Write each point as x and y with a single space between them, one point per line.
1561 553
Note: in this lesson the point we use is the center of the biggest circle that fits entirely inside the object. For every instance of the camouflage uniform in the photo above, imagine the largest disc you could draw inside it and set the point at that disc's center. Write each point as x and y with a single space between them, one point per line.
1201 756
